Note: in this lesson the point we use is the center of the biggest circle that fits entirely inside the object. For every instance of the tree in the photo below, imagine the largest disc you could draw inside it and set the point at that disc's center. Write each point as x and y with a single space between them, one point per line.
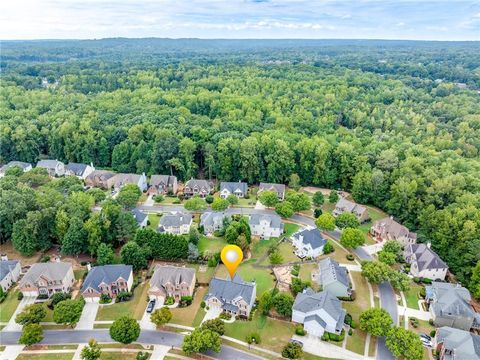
75 239
399 281
392 246
125 330
104 254
347 220
133 254
284 209
161 316
333 197
31 314
23 238
58 297
201 341
404 343
232 199
31 334
328 248
283 303
195 203
352 238
216 325
128 196
298 285
292 351
299 201
294 182
326 222
318 198
265 302
193 235
275 258
220 204
376 272
376 321
387 257
268 198
92 351
68 311
475 281
317 212
97 194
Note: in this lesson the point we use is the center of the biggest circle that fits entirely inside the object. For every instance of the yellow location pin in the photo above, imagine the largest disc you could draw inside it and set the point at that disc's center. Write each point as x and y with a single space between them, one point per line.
231 256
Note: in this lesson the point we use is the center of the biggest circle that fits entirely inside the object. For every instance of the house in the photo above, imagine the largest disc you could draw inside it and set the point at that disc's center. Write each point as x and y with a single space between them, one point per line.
389 229
318 312
234 296
120 180
9 273
424 262
308 242
47 279
162 185
81 171
455 344
142 218
194 187
344 205
279 189
239 189
213 221
53 167
177 223
450 305
108 280
22 165
101 179
266 225
171 281
334 278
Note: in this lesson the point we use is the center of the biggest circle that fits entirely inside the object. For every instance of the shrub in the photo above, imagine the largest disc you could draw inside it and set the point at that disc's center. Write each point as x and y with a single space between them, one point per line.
350 257
325 336
353 324
209 199
225 316
416 279
426 281
83 263
430 322
203 304
433 333
414 322
177 201
299 330
158 198
335 337
253 338
350 332
105 299
57 297
20 296
45 258
142 355
42 297
423 292
123 296
169 300
185 300
292 351
348 319
317 212
328 248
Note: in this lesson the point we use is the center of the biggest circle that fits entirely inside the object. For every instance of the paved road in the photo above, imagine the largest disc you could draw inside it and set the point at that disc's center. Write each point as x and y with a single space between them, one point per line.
101 335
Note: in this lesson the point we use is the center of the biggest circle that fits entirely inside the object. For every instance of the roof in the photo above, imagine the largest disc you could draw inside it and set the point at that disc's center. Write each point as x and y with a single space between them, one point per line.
168 180
20 164
175 219
106 274
213 218
48 164
234 186
7 266
138 215
309 301
451 300
425 257
311 236
394 228
198 183
100 175
227 290
122 179
349 206
463 344
171 274
76 168
272 187
52 270
273 220
331 272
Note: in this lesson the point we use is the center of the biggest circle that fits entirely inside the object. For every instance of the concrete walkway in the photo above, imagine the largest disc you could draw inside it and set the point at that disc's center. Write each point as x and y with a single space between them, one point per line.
159 351
77 355
12 325
315 346
87 319
352 267
11 352
375 248
419 314
212 313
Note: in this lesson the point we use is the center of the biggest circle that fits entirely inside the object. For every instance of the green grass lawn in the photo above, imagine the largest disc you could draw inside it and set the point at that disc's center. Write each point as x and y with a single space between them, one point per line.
202 277
286 249
356 342
306 271
274 334
375 214
186 316
263 277
45 356
115 355
134 308
8 306
154 219
412 296
49 316
210 245
169 200
79 273
339 254
247 202
260 247
327 207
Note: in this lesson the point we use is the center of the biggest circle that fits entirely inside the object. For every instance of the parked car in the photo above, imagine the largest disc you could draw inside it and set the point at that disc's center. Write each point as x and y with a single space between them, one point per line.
151 306
426 342
425 336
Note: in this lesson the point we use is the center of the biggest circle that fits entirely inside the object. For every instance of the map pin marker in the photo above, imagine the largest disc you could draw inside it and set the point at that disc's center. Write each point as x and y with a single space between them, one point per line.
231 256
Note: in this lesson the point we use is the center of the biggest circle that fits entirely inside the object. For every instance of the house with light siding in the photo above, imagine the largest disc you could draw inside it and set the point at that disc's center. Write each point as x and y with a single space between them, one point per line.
171 281
196 187
388 229
334 278
424 262
212 221
266 226
177 223
22 165
455 344
47 279
81 171
278 189
308 242
162 185
53 167
346 206
238 189
9 273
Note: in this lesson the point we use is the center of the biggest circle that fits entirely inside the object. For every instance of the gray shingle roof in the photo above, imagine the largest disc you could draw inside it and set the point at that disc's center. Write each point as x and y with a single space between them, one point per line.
272 187
349 206
76 168
464 345
213 218
123 179
175 219
451 300
233 186
106 274
201 184
52 270
138 215
312 237
165 180
331 271
227 290
393 228
20 164
7 266
48 164
171 274
426 258
274 220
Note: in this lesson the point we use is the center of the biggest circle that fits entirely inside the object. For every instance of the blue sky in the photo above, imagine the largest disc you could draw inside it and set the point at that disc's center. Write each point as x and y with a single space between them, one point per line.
367 19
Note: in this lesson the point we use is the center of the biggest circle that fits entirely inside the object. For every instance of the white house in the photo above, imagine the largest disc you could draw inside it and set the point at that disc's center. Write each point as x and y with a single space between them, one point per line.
120 180
177 223
424 262
22 165
308 242
318 312
266 226
9 273
81 171
239 189
53 167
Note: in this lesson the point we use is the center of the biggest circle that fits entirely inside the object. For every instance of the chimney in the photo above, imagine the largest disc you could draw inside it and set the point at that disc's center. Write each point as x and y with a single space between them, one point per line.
391 217
429 244
89 267
4 257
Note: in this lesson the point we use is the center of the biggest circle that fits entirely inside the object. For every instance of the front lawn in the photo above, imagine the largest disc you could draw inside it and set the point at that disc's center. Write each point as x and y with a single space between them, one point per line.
210 245
246 202
263 277
412 296
186 316
356 342
8 306
274 334
45 356
115 355
134 308
153 220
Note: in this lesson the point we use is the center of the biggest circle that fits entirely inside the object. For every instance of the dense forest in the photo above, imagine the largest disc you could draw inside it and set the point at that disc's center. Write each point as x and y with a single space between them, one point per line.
395 123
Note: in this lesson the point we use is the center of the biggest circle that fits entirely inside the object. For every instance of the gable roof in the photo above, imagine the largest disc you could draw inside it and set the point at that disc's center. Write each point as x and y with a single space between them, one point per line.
6 267
198 183
425 257
331 272
122 179
76 168
311 236
48 164
234 186
106 274
349 206
20 164
99 176
175 219
176 275
213 218
227 290
273 220
397 230
52 270
451 300
138 215
463 344
280 188
167 180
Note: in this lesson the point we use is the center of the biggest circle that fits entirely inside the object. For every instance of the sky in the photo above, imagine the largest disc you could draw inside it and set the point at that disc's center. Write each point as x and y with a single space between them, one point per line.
240 19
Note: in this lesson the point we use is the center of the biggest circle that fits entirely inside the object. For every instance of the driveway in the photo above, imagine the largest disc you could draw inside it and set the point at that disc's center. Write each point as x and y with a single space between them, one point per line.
212 313
149 201
145 322
11 352
12 325
88 316
315 346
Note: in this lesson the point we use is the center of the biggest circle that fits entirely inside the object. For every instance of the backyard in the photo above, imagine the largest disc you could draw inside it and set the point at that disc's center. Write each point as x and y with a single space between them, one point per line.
153 219
263 277
412 295
210 245
135 307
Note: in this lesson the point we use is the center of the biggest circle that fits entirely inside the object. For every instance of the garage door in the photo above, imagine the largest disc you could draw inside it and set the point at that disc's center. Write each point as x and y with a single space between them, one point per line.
30 293
92 299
